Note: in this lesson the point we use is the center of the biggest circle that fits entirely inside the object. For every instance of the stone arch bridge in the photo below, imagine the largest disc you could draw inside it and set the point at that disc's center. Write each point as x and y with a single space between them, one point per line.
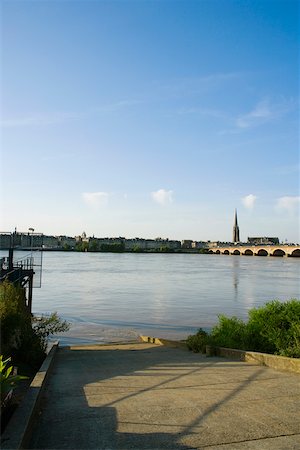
257 250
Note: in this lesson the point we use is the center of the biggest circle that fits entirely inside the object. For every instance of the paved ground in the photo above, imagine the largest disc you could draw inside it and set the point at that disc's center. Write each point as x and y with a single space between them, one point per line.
142 396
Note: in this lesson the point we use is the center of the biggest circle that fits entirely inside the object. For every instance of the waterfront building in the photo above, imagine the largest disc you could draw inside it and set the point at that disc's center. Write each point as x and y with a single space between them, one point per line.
199 244
5 241
263 240
186 244
20 240
139 244
50 242
66 242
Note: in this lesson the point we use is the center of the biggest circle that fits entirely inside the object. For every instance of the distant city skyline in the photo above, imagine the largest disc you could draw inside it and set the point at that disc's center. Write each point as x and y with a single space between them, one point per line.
150 118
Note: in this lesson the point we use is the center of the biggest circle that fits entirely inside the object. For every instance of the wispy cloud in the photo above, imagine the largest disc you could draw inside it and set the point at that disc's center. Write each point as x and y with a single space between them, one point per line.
264 111
288 203
162 196
116 106
249 201
40 119
59 117
95 199
187 86
208 112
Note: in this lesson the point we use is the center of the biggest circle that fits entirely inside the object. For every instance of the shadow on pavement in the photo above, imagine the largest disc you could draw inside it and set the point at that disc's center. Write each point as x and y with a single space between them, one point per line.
127 397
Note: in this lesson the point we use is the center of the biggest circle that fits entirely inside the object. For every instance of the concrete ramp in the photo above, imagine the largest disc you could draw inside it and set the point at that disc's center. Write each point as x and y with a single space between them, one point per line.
145 396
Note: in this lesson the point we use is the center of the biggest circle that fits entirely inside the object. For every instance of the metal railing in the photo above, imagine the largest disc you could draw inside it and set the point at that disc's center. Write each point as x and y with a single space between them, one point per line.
25 263
16 273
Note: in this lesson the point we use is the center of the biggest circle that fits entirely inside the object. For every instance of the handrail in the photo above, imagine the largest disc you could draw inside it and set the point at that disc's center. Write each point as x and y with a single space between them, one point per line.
18 266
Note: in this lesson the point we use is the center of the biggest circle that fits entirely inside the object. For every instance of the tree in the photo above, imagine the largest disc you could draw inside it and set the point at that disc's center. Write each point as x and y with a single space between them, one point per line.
93 246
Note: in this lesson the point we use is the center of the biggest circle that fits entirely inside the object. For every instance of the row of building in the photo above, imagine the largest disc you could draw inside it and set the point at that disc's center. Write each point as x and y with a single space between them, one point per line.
47 242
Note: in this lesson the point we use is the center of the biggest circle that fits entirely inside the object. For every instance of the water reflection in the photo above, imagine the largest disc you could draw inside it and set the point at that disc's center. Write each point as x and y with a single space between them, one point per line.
235 276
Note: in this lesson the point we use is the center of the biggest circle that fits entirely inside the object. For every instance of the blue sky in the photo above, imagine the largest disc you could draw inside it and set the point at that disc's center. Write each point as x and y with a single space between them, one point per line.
150 118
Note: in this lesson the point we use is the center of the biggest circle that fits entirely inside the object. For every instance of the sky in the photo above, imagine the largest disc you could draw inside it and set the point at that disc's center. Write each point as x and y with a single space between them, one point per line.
150 118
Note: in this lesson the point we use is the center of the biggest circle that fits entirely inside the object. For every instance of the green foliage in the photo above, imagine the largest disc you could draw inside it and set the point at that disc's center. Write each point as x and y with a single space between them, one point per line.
137 249
115 247
44 326
276 328
198 341
272 328
82 246
7 379
230 332
93 246
165 249
16 329
22 336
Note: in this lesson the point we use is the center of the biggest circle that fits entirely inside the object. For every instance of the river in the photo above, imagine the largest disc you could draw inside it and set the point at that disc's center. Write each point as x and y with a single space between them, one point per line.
110 297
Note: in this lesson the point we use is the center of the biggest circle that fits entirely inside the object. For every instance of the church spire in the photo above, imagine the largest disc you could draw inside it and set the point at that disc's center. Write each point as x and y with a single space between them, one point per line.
236 230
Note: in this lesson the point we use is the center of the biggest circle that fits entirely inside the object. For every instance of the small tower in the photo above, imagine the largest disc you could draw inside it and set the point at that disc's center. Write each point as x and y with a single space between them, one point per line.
236 230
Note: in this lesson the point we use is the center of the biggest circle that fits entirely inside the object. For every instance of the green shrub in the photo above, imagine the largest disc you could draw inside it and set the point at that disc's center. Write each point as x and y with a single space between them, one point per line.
230 332
275 328
137 249
15 318
165 249
23 336
197 342
272 328
45 326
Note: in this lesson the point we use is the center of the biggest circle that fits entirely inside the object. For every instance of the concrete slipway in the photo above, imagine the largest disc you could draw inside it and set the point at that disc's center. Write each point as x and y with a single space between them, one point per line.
145 396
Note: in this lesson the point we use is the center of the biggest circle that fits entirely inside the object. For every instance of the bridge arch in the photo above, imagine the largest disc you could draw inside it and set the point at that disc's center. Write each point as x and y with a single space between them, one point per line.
248 252
278 252
218 252
236 252
296 253
262 252
226 252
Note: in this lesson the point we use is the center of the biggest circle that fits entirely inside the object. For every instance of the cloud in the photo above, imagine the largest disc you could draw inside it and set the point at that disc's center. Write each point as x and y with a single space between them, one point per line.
113 107
249 200
40 119
95 199
288 203
162 196
184 87
58 117
206 112
264 112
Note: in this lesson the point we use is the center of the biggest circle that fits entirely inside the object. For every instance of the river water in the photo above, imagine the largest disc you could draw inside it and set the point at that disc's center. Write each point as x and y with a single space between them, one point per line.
110 297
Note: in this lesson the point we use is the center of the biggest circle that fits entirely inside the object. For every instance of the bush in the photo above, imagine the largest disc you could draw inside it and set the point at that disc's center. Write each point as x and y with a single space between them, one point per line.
198 341
18 339
230 332
272 328
137 249
45 326
165 249
276 328
23 336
